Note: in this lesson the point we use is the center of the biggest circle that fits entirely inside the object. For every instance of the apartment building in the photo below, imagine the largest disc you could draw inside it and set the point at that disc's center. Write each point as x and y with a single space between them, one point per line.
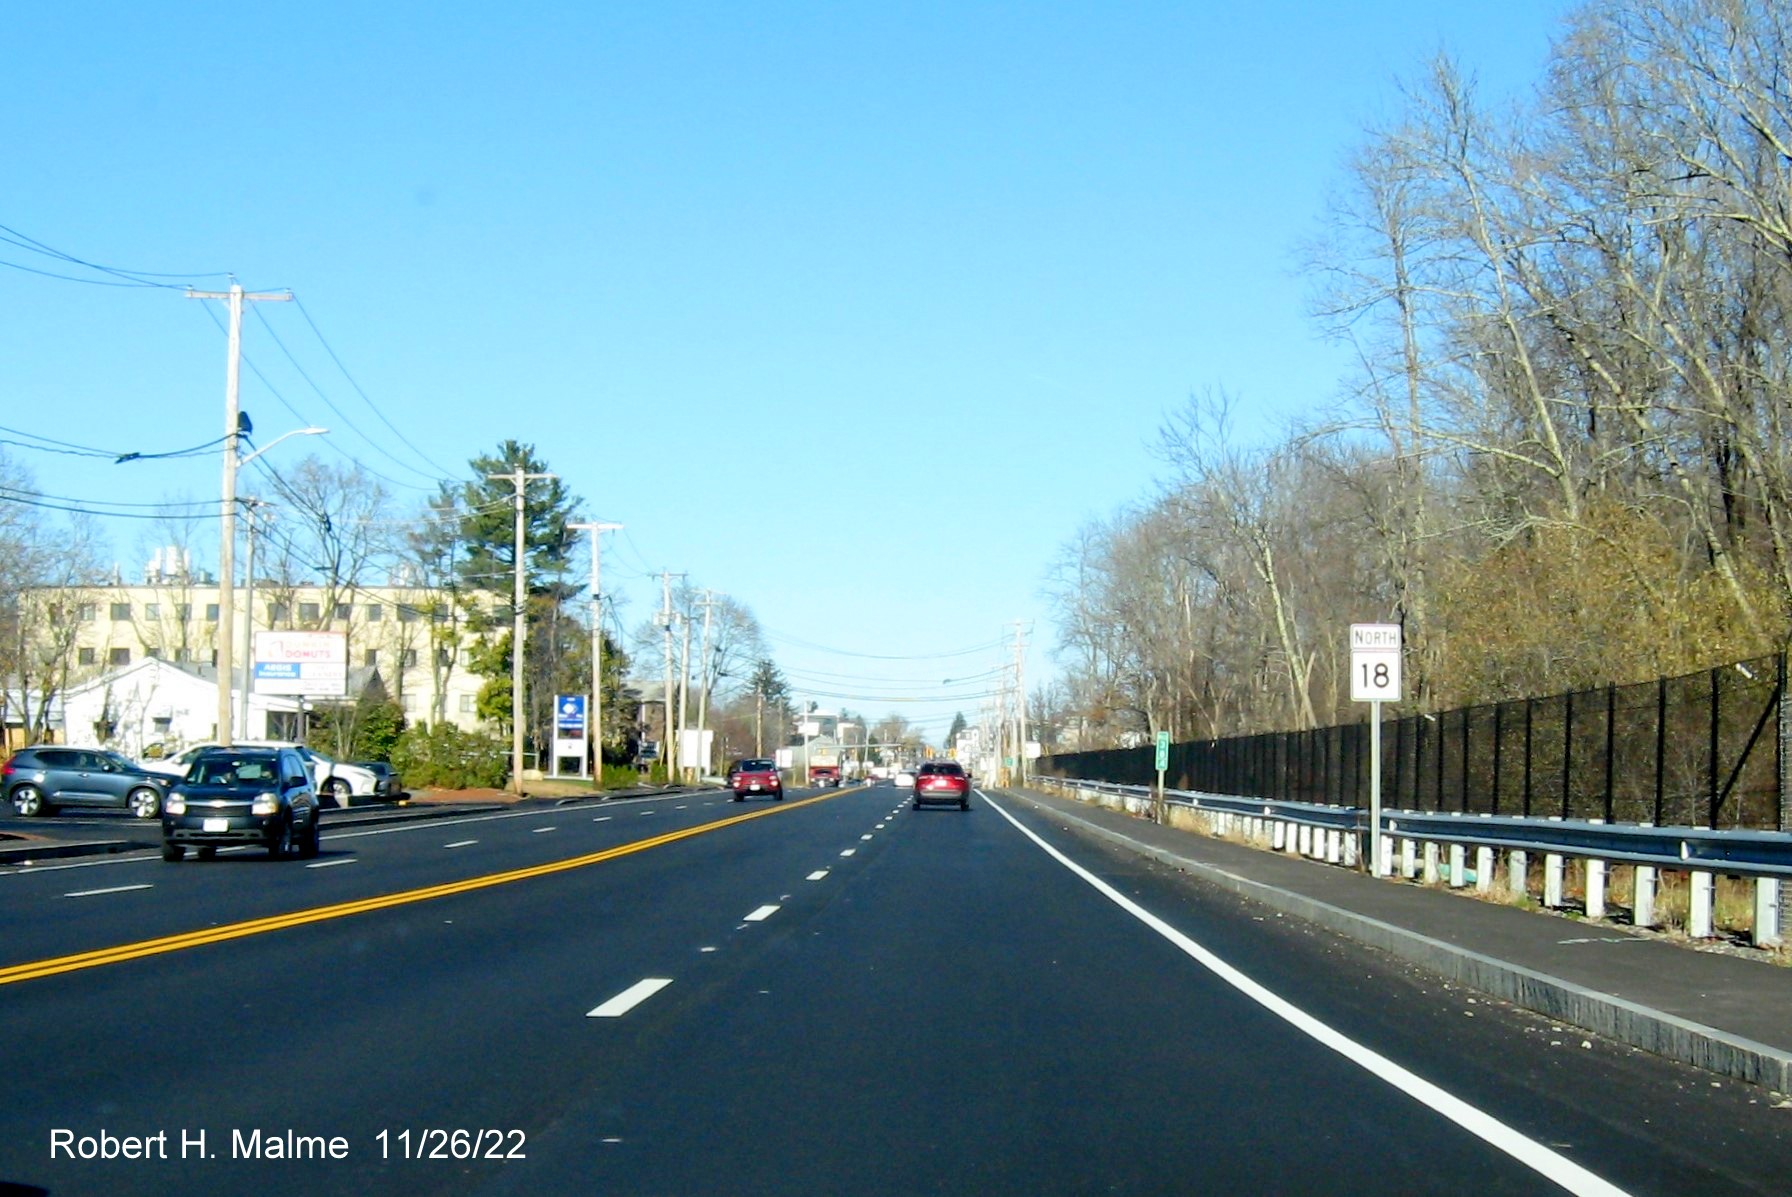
410 636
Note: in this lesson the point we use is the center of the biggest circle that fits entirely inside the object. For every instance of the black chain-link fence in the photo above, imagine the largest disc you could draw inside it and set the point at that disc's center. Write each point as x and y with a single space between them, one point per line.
1703 750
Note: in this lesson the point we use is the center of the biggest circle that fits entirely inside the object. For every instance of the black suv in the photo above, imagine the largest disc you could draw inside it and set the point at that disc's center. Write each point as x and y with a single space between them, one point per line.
259 796
38 780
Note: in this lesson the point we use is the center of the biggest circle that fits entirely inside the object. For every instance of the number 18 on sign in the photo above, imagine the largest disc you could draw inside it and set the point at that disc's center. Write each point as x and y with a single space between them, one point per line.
1375 679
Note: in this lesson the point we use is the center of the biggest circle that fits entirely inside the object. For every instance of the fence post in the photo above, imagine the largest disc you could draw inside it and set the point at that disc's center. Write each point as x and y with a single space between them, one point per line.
1527 757
1499 714
1711 759
1611 715
1567 751
1661 745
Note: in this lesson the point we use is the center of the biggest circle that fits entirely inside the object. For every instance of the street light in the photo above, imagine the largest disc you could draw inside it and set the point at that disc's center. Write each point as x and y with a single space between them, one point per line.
227 565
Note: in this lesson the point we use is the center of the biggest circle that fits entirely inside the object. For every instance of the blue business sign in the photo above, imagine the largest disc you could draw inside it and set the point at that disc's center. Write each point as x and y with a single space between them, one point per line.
569 712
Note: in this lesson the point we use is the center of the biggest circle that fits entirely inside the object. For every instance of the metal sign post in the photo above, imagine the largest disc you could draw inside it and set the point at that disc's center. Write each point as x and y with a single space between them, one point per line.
1375 678
1163 762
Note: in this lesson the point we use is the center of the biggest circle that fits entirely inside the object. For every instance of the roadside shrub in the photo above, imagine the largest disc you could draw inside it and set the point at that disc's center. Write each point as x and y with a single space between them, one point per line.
444 757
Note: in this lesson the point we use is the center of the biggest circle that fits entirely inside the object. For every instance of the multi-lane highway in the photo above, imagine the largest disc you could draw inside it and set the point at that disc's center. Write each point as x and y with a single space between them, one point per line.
832 994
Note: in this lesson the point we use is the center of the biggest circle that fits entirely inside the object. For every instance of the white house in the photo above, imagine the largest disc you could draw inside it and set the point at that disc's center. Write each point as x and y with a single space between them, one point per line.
156 701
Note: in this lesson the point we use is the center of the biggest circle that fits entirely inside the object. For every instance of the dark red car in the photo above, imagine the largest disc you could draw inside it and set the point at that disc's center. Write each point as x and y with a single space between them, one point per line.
943 781
757 777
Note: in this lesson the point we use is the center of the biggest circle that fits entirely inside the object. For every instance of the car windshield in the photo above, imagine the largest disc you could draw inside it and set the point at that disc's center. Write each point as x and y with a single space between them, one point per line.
234 770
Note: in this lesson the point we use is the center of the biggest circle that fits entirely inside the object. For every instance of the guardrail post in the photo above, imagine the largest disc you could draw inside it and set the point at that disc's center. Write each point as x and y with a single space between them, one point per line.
1643 904
1334 846
1352 850
1554 866
1291 842
1596 889
1596 868
1385 866
1483 869
1431 871
1458 866
1698 919
1518 873
1767 912
1409 863
1278 835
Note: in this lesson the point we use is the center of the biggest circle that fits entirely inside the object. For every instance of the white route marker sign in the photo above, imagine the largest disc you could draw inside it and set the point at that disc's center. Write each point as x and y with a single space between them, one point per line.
1374 662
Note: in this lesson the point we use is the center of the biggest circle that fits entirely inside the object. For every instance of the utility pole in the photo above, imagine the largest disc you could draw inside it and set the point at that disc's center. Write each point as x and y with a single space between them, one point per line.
597 650
668 737
227 533
684 682
1020 684
251 506
709 602
519 628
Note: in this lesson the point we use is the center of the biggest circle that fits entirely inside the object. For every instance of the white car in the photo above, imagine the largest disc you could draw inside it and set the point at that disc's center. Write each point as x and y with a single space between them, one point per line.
905 779
335 780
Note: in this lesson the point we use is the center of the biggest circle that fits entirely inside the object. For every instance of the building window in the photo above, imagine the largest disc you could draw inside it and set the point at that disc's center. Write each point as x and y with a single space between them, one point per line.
371 657
86 656
118 656
87 612
211 613
443 659
181 655
214 658
342 611
407 614
183 612
154 654
152 610
466 704
279 613
375 612
310 612
121 613
163 724
410 658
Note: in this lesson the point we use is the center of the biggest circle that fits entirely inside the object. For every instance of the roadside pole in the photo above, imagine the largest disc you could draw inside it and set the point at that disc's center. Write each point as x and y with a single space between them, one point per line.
1375 650
1163 763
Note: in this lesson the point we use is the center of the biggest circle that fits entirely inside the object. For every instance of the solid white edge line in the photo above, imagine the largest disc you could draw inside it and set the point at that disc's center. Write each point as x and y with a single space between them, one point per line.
629 998
1548 1163
760 915
116 889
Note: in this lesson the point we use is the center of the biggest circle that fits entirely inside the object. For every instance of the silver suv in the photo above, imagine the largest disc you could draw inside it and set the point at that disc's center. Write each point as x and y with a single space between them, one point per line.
38 780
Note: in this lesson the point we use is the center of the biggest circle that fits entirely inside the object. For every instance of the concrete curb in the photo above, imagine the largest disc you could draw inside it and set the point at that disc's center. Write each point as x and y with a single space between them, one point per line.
12 852
1602 1013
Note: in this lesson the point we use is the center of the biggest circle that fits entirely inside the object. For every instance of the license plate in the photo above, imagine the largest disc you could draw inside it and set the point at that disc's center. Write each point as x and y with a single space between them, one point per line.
217 824
754 787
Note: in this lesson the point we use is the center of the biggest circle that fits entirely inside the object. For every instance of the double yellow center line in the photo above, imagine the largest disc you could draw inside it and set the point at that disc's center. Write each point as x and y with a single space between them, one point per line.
298 918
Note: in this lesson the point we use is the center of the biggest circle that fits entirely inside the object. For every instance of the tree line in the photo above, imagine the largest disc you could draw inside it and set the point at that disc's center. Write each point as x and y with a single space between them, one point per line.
1561 457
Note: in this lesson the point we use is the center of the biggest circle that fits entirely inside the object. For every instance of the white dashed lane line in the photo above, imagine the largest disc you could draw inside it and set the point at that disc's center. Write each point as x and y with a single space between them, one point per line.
818 874
461 844
330 864
543 830
116 889
629 998
602 819
760 915
849 852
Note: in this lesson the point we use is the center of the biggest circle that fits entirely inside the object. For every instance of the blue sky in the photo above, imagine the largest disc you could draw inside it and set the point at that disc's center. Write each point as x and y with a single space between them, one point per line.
853 312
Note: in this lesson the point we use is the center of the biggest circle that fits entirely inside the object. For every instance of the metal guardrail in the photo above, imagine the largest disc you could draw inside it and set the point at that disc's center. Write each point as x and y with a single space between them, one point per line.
1732 853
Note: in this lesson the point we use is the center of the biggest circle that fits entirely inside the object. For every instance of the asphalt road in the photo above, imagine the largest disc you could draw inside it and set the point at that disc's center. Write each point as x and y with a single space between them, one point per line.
685 995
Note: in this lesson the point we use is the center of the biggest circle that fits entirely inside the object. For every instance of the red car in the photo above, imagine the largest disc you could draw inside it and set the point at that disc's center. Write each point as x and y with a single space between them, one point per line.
943 781
756 777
